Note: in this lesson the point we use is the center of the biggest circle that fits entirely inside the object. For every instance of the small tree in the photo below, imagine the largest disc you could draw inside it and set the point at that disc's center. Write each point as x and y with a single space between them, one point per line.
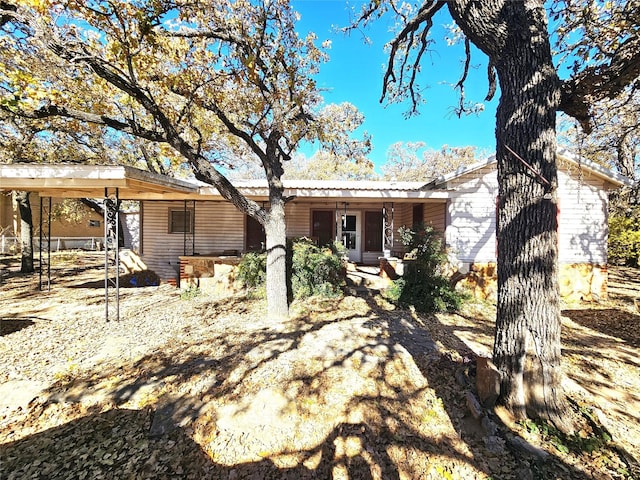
312 270
624 237
424 284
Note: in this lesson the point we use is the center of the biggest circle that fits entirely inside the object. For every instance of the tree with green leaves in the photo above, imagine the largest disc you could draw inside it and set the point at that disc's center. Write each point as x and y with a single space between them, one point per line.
599 46
414 161
340 156
215 80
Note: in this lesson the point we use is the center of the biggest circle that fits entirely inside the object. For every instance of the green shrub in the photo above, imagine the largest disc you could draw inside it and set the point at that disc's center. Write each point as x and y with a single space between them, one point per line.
252 270
311 270
423 284
624 239
315 270
190 292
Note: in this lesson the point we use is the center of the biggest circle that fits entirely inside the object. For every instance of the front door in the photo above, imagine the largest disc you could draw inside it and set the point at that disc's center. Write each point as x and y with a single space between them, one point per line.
351 235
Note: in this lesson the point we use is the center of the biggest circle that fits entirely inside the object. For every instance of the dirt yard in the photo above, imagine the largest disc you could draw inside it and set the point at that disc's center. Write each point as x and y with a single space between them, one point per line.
351 388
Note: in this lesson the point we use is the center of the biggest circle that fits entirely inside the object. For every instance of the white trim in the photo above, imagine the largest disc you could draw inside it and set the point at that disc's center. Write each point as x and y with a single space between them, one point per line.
612 177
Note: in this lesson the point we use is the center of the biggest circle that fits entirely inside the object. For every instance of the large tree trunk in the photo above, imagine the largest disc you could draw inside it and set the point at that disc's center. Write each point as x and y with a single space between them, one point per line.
275 230
26 231
527 341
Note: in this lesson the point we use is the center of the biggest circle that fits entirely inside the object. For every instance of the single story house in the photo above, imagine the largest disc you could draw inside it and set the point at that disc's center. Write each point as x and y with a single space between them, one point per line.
187 227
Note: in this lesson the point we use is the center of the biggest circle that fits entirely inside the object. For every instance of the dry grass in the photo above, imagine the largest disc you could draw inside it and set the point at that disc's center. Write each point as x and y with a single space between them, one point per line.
203 388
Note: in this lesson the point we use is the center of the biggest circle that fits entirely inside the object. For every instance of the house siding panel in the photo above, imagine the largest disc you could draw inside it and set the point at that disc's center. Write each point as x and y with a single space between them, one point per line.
434 215
216 230
583 219
160 250
220 226
470 234
298 218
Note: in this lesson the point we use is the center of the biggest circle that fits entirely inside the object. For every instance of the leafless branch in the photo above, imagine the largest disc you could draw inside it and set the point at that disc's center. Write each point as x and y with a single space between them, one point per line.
405 38
601 82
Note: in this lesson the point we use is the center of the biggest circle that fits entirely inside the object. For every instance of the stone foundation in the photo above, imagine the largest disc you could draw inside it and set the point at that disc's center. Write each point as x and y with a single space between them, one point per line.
583 281
578 281
214 275
482 280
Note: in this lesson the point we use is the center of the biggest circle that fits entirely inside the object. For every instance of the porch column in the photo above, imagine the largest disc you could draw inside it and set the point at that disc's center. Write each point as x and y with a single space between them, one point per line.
189 239
387 228
338 217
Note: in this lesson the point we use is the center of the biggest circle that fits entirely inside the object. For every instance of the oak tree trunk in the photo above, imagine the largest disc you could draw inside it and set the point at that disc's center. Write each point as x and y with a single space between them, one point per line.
276 239
26 231
527 340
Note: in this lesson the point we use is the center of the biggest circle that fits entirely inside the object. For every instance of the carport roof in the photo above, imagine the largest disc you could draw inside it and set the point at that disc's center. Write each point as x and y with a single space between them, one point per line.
90 181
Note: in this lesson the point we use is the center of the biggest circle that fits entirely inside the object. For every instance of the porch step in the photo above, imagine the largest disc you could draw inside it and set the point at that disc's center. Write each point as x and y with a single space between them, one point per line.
366 277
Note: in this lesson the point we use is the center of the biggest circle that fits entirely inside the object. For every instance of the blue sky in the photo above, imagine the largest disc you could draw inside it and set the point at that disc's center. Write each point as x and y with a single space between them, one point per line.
355 71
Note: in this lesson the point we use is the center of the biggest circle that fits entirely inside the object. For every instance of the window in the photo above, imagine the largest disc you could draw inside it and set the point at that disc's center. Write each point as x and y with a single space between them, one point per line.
322 223
255 239
373 231
94 223
418 213
181 221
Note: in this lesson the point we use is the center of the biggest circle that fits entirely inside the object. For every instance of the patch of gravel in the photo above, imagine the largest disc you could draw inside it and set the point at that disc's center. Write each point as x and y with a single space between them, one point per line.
209 388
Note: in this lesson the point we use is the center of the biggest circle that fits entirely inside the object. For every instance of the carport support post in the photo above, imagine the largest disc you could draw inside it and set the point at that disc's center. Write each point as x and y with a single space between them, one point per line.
189 235
111 244
337 220
45 235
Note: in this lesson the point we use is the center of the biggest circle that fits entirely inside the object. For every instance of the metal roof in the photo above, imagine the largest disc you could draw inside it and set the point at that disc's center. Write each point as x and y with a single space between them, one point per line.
90 181
375 185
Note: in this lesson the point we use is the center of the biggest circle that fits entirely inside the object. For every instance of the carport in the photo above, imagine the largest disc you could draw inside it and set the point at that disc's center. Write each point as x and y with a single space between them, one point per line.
112 184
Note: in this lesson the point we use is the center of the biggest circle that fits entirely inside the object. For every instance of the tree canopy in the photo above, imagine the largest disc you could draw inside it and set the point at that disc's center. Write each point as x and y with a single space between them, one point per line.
414 161
217 81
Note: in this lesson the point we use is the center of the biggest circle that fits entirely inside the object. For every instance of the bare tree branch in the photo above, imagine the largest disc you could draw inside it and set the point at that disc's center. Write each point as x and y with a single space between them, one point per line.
424 15
601 82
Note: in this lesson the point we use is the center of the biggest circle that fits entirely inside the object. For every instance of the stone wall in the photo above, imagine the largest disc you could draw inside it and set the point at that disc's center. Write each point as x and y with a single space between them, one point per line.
578 281
214 275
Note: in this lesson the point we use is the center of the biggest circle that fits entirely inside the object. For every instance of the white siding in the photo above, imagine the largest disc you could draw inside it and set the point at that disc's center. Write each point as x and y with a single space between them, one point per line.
471 215
583 219
218 226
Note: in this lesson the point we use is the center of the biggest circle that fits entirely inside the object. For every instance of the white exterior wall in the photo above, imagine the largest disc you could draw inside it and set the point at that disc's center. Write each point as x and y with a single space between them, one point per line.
583 218
471 216
219 226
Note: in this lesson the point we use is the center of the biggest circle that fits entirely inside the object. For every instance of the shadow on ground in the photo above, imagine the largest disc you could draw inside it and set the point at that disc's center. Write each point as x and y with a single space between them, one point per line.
13 324
613 322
